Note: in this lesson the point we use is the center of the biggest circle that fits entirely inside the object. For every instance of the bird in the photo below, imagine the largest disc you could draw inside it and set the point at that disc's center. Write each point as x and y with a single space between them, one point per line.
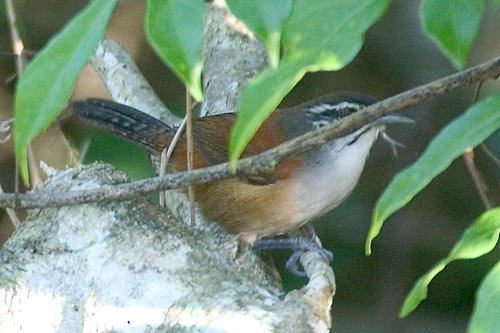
300 189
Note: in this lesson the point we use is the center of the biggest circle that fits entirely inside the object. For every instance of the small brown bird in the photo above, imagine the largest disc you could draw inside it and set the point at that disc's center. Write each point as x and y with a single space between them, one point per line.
298 191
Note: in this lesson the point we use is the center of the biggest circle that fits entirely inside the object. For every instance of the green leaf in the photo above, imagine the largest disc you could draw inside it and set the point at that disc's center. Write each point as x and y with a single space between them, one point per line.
266 19
175 31
479 239
453 25
468 130
319 35
327 35
280 82
485 317
46 85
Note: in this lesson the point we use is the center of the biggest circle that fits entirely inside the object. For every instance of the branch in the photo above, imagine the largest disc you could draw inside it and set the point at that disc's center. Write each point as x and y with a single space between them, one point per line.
125 82
265 161
69 260
18 48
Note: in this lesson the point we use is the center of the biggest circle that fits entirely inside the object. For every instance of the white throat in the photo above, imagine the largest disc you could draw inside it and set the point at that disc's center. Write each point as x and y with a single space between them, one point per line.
324 186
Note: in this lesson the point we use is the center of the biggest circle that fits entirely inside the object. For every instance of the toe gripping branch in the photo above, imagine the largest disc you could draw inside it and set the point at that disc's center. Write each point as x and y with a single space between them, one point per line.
298 244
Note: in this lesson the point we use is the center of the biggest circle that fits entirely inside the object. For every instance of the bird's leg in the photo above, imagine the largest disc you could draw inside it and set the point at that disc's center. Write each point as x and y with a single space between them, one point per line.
304 239
309 233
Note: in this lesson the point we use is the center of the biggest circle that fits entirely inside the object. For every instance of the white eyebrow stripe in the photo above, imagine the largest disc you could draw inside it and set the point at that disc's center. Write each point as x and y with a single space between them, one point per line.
320 108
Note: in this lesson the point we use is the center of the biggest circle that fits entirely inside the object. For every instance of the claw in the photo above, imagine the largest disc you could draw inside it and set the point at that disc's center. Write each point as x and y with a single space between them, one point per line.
299 244
292 264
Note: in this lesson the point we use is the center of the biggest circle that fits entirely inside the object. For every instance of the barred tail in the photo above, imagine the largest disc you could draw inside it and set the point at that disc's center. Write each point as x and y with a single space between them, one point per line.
123 121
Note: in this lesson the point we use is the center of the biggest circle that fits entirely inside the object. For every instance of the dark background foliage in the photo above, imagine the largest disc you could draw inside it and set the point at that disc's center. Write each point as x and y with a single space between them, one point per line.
396 56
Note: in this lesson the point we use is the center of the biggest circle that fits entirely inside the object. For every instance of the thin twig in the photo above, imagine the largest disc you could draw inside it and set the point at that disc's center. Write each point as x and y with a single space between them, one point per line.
479 86
476 177
8 54
17 42
33 167
167 153
12 54
189 139
266 161
468 157
392 143
490 154
84 148
12 214
10 78
17 47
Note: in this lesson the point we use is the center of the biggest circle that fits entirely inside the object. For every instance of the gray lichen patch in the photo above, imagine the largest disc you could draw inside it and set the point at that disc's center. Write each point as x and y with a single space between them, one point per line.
106 258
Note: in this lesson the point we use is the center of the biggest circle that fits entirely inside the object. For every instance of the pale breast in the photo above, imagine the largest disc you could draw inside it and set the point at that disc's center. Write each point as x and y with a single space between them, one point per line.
255 211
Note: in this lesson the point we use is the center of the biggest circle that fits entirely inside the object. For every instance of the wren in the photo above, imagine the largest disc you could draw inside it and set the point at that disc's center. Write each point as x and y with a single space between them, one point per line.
298 191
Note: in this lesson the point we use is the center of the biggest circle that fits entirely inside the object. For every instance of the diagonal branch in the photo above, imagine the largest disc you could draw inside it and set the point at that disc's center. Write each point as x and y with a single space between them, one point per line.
265 161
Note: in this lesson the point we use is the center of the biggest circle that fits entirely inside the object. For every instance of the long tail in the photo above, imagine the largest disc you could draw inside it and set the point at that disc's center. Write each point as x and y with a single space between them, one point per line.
124 121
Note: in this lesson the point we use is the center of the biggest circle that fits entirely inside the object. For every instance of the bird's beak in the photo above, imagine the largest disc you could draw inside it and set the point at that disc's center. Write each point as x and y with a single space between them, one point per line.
393 119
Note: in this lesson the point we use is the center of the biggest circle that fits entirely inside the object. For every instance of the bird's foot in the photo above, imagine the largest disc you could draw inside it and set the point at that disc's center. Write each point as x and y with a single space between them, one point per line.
299 245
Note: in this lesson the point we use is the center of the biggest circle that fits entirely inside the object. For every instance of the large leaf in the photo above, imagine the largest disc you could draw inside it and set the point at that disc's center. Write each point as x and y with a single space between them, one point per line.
453 25
45 86
266 19
175 31
249 121
479 239
319 35
468 130
485 317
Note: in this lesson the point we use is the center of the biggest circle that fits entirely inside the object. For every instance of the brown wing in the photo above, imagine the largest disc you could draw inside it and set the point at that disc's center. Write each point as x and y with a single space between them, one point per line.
211 135
211 139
